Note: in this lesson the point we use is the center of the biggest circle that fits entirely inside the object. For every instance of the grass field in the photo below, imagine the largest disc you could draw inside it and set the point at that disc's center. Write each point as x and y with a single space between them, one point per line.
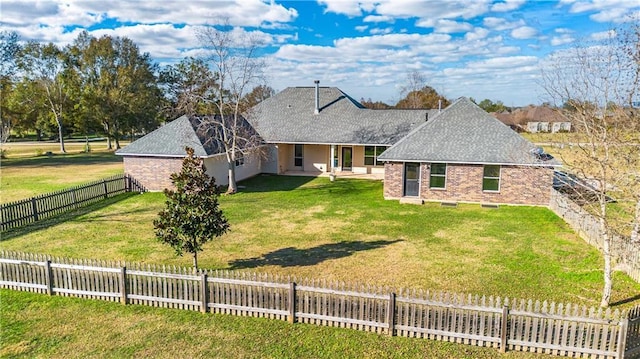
27 176
345 231
26 149
299 226
38 326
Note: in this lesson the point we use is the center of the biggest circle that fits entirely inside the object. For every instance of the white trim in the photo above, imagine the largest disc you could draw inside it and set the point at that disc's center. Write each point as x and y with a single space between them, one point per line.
183 155
330 143
404 179
165 156
499 180
446 170
476 163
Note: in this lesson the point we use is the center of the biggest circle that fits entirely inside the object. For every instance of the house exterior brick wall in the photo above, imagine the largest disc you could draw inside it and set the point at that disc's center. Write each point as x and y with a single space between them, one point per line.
152 172
393 180
518 184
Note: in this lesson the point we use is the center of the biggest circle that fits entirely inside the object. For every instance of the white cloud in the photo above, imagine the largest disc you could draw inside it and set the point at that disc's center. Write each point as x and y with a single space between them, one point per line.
198 12
346 7
450 26
361 28
377 18
378 31
500 24
562 40
603 35
476 34
524 32
438 9
562 30
507 5
606 10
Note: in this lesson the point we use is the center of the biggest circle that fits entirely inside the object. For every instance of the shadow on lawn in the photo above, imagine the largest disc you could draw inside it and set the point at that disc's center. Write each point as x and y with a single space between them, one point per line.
271 183
625 301
274 183
65 217
293 257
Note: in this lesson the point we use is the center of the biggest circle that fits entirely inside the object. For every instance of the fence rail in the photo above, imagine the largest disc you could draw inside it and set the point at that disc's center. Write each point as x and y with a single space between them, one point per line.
542 327
20 213
625 253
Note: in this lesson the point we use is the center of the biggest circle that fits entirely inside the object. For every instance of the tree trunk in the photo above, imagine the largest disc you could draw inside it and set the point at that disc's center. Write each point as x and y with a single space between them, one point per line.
195 261
109 145
606 249
117 143
62 149
233 187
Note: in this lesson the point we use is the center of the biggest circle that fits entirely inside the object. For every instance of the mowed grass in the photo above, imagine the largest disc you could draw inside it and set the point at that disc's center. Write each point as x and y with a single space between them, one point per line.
38 326
345 231
26 149
24 177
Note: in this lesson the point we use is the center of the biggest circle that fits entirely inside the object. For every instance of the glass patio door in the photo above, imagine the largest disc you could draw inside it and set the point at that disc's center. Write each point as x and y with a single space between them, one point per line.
347 159
411 179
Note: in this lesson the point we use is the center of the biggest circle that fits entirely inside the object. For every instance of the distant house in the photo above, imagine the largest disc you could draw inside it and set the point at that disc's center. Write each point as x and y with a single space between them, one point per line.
458 154
535 119
544 119
466 155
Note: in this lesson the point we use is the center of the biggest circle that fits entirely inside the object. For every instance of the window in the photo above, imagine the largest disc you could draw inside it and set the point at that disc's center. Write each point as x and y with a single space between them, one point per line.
491 178
438 175
239 159
297 156
371 154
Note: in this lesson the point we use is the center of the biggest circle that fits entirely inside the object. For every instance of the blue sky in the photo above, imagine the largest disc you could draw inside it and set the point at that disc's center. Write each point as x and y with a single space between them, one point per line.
477 48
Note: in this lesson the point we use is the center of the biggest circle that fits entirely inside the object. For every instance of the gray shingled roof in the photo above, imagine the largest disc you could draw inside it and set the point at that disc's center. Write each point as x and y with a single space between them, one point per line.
464 133
289 117
171 139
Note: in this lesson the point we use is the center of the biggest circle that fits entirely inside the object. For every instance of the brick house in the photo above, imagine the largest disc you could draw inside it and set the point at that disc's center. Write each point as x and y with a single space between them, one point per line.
463 154
458 154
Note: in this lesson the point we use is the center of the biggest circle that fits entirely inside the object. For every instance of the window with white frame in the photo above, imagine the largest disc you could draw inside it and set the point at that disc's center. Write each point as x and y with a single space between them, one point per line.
491 178
438 175
239 159
371 154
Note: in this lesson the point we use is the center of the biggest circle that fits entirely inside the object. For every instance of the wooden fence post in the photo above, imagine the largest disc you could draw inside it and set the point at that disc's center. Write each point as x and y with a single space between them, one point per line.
34 209
622 337
292 302
74 197
204 293
48 277
106 190
391 314
503 329
123 285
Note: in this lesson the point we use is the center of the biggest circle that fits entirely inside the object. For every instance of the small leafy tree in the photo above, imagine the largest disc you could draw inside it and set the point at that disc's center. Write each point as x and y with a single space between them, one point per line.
191 217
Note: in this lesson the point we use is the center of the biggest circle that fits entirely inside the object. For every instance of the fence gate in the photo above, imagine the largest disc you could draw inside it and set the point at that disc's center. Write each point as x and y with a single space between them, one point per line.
632 347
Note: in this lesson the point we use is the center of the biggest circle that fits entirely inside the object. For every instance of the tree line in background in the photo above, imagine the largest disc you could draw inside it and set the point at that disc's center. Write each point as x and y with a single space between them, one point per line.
103 87
417 94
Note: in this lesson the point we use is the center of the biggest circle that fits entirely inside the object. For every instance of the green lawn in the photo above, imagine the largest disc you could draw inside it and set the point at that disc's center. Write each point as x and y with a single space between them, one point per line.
24 177
345 231
38 326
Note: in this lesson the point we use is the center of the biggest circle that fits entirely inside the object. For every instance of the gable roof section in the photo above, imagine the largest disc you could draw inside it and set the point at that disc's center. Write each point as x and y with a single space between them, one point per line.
288 117
464 133
171 139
